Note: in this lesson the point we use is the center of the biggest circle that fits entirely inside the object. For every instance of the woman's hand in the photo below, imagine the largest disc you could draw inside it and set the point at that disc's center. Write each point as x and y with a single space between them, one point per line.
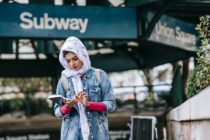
71 103
83 99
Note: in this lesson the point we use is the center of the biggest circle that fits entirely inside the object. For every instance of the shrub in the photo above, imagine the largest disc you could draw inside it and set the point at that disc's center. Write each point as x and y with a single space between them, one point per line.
200 76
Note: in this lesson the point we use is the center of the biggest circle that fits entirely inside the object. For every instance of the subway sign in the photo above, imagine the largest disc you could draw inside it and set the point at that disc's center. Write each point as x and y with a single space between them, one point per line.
28 22
49 21
174 32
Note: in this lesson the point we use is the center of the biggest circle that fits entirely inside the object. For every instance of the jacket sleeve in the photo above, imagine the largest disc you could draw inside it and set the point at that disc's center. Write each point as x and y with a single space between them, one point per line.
107 92
61 91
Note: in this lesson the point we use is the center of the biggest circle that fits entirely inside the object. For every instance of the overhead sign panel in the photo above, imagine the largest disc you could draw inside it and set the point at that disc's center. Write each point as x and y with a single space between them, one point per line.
174 32
48 21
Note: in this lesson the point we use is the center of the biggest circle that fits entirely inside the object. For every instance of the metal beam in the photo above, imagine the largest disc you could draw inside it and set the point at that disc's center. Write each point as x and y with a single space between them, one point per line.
140 2
118 61
29 68
156 17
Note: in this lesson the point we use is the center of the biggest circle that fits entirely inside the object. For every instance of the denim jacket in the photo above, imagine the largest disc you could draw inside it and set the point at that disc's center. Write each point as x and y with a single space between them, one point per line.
97 91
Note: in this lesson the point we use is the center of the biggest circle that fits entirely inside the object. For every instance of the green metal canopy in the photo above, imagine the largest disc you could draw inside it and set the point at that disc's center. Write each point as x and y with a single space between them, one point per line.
147 55
158 39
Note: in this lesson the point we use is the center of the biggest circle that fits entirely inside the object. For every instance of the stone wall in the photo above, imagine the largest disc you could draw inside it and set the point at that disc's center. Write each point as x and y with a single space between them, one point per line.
190 120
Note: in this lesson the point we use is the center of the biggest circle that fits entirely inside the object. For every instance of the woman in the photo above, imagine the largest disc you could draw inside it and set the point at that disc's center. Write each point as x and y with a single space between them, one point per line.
84 117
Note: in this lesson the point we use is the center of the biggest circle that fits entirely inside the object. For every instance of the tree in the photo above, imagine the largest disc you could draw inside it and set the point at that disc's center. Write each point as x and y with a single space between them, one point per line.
200 76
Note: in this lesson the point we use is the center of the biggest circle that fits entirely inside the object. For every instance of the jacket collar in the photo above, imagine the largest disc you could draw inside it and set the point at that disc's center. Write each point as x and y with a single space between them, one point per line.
88 73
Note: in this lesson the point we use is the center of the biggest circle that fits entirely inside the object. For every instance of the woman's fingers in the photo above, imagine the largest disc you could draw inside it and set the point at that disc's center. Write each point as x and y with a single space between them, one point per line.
81 95
71 103
76 97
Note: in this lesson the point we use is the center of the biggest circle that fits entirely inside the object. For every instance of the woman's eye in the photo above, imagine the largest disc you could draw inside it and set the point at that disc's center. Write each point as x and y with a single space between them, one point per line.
76 58
68 61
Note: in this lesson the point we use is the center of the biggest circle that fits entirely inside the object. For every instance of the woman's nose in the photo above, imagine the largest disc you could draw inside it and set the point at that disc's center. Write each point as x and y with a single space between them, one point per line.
72 64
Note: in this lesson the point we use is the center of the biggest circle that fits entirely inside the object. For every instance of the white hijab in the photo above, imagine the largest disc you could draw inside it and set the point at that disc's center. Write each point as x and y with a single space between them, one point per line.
73 44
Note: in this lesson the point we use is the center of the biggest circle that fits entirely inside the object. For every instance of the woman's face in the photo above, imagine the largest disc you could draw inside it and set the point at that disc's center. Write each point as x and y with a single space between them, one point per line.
73 61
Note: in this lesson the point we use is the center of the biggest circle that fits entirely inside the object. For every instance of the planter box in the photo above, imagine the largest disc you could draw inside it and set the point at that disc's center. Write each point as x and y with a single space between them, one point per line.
190 120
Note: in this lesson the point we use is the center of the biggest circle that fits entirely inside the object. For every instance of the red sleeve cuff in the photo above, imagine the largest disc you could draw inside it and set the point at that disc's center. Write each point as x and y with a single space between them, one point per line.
65 110
97 106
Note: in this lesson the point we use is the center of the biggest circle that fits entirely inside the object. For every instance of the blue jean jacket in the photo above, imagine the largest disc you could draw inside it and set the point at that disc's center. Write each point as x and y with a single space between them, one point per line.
97 91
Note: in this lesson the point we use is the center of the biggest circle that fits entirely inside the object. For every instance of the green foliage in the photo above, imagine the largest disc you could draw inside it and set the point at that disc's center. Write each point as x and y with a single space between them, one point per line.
27 85
200 76
199 79
29 106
